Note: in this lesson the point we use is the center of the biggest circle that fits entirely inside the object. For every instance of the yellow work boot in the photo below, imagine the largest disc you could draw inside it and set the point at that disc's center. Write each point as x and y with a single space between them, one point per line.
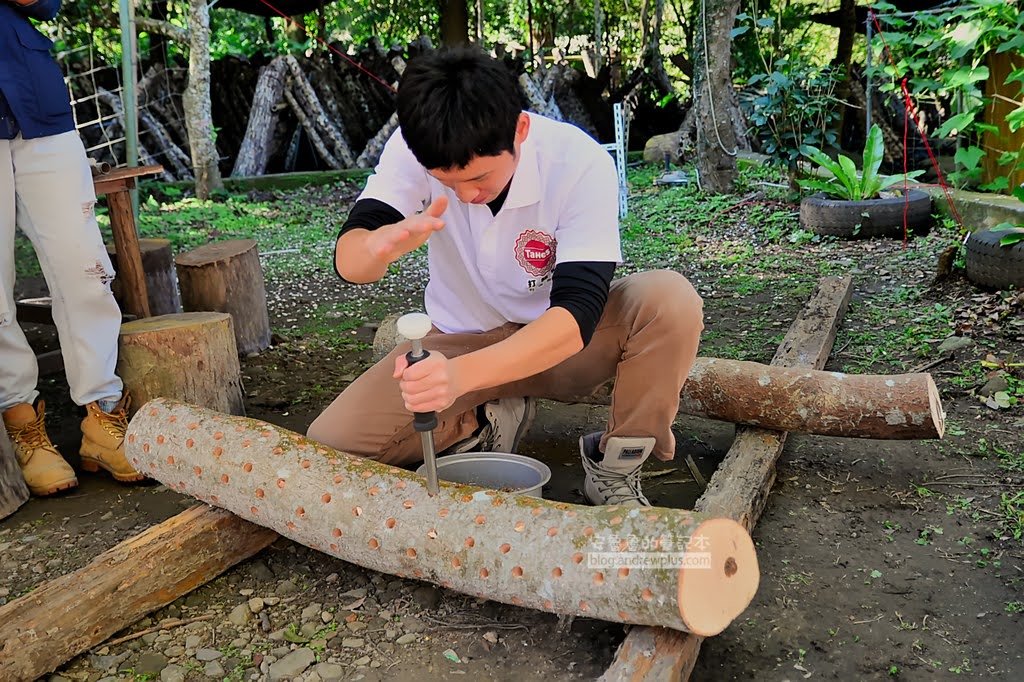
103 441
45 471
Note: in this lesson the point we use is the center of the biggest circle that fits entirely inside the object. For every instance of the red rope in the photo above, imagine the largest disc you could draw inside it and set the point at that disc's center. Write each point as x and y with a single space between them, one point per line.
908 115
332 48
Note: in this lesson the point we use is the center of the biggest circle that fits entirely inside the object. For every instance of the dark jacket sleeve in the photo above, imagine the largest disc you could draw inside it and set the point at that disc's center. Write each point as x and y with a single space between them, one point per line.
582 289
44 10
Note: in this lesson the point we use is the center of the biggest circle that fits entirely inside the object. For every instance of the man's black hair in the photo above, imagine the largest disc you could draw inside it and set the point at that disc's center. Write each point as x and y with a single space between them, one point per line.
456 104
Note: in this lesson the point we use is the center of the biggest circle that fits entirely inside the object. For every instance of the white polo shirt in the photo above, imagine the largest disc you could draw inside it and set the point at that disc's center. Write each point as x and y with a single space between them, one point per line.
486 270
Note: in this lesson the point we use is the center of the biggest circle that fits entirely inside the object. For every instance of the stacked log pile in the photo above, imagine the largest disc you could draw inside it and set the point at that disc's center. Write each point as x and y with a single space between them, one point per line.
298 112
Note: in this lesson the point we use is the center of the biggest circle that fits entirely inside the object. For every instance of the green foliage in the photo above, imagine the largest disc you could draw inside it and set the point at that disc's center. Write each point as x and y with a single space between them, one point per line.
845 183
944 54
790 101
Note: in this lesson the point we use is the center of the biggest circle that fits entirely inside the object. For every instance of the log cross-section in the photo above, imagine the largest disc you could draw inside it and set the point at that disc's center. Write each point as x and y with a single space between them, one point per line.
739 489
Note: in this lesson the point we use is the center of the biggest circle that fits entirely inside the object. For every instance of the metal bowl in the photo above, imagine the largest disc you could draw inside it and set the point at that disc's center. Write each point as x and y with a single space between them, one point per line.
502 471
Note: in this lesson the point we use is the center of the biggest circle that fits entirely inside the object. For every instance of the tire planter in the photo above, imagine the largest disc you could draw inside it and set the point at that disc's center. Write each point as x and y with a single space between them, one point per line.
875 217
992 265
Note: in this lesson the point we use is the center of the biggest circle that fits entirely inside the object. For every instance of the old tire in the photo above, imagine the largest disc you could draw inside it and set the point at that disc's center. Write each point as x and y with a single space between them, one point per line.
866 219
992 265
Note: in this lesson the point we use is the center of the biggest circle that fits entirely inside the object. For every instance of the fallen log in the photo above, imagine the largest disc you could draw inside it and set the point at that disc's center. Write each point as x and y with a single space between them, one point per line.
259 132
68 615
790 398
656 566
739 489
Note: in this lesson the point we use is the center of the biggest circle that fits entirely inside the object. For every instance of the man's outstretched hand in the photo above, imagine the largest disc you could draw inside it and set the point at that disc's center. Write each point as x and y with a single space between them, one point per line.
391 242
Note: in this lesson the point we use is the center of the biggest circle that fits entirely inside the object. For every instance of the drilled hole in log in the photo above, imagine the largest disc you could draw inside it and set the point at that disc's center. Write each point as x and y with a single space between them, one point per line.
374 490
336 532
552 532
504 549
599 578
484 573
358 511
390 523
280 483
198 470
577 558
470 542
411 553
305 464
300 512
218 451
373 543
519 527
408 504
160 440
480 519
259 493
173 418
218 436
170 459
189 443
556 572
517 571
730 567
224 478
456 562
588 531
246 443
326 498
623 572
647 595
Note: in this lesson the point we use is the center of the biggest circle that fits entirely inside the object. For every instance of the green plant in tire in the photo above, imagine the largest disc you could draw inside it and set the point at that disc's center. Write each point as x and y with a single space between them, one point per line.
846 183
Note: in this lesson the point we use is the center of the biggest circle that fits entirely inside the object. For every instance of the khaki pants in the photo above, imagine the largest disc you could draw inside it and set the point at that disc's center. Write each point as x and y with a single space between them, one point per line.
647 339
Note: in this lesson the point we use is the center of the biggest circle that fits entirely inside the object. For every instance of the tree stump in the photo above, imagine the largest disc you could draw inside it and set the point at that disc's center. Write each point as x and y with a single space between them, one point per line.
227 277
187 356
13 491
161 280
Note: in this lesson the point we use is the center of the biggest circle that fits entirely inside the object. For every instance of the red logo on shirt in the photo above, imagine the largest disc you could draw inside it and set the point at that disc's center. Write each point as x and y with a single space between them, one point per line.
535 252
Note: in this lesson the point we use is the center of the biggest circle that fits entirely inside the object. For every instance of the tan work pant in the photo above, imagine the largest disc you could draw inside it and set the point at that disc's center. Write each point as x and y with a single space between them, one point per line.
647 339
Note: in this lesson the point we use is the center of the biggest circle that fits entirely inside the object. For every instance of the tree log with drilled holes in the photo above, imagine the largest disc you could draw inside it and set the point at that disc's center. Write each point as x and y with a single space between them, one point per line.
701 572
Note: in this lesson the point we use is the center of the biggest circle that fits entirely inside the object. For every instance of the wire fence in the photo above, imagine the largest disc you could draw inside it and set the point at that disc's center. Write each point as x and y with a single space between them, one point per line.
96 89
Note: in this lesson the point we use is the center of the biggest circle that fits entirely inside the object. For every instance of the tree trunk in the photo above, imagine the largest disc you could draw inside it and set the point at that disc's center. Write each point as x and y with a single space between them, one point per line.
69 615
196 99
454 22
716 139
308 109
497 546
13 490
847 35
259 133
188 356
227 277
479 6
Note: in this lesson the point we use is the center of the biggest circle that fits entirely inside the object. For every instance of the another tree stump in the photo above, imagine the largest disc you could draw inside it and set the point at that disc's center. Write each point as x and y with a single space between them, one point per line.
187 356
13 491
227 277
158 269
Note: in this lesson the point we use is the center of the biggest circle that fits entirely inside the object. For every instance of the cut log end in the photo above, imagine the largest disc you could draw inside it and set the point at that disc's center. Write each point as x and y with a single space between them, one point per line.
935 402
720 576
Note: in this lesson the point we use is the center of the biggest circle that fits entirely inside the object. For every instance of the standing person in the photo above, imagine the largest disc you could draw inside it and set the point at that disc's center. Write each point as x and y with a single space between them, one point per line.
520 215
46 190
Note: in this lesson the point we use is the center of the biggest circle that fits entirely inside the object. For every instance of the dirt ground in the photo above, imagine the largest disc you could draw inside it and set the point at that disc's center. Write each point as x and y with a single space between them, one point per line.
879 559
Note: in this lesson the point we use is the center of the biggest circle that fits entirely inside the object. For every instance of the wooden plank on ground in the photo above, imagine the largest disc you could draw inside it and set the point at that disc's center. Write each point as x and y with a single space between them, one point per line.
740 487
68 615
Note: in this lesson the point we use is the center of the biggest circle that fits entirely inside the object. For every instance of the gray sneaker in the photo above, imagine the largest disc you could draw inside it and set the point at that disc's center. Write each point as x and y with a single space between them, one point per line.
613 477
506 421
